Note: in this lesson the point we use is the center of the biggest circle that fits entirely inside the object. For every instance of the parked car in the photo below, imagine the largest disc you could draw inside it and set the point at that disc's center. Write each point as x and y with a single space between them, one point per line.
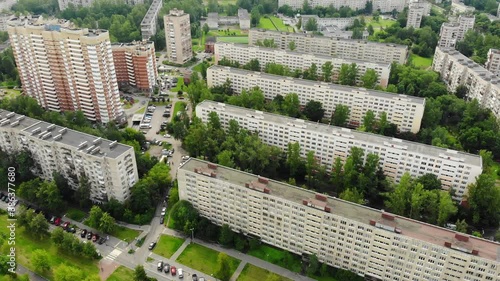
65 225
173 270
102 240
201 279
180 273
89 235
83 233
152 245
162 220
160 265
185 158
95 237
57 221
163 211
167 136
195 277
71 229
166 268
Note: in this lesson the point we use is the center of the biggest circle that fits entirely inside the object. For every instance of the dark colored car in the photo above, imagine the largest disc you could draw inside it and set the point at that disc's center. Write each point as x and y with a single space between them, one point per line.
195 277
162 220
89 235
71 229
166 268
83 233
152 245
102 240
57 222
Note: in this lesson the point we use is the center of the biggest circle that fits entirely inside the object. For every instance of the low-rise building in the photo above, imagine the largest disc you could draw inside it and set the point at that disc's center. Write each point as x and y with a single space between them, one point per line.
335 47
109 167
341 23
404 111
457 69
369 242
493 62
297 60
64 4
149 22
243 20
456 170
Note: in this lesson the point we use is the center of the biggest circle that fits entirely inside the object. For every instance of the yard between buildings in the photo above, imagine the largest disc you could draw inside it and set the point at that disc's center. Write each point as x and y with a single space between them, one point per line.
168 245
204 259
421 62
277 257
122 274
251 272
233 39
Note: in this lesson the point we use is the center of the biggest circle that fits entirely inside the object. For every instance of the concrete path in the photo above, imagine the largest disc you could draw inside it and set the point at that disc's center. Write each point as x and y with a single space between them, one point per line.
33 276
181 249
238 271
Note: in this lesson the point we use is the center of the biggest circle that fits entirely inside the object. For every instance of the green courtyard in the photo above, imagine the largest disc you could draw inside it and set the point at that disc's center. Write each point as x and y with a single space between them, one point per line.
204 259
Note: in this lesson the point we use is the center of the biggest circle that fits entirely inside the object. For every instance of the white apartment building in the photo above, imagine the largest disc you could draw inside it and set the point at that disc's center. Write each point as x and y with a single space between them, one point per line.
335 47
149 22
296 60
404 111
4 19
178 36
64 4
453 32
65 68
456 69
493 62
109 166
416 11
341 23
385 6
372 243
455 169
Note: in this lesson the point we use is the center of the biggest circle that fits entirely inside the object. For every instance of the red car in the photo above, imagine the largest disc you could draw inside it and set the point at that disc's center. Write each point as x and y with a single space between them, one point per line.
57 221
173 270
65 225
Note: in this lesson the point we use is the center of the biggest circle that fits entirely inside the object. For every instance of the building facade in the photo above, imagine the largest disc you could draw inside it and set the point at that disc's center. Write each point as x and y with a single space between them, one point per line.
404 111
243 20
453 32
135 64
335 47
178 36
110 167
64 4
385 6
369 242
457 69
149 22
67 69
341 23
296 60
455 169
416 11
493 62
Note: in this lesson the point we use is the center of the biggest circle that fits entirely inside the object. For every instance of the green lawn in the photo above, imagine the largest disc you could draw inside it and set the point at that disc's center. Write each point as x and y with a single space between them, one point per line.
279 24
25 246
125 233
10 93
167 245
382 23
225 32
203 259
421 62
75 214
141 110
180 84
222 2
179 106
275 256
251 272
266 24
122 274
495 171
233 39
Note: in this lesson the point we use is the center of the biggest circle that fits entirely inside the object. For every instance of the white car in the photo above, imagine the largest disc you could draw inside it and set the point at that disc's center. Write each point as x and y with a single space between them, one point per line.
185 158
167 136
179 273
163 211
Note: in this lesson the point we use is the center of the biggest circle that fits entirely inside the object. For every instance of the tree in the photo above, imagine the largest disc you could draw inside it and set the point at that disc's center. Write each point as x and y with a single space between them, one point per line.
370 29
314 111
383 123
39 227
292 46
291 105
398 198
140 274
253 64
461 226
313 264
225 158
206 29
430 181
369 121
40 260
82 194
327 69
226 237
49 197
348 74
67 273
107 223
255 16
28 190
446 208
294 161
57 236
311 73
352 195
340 115
95 216
223 271
311 25
369 79
484 199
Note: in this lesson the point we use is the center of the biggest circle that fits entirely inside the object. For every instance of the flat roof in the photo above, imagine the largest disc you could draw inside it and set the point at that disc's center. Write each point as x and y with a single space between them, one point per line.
370 138
298 53
472 65
68 137
381 94
410 228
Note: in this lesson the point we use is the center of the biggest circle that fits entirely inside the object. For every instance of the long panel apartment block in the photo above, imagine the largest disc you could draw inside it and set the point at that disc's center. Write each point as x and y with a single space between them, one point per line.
404 111
297 60
455 169
372 243
109 166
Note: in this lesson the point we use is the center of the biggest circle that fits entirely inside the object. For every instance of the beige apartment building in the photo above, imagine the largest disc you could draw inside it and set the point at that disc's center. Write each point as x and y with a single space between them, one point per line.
455 169
453 32
110 167
416 11
297 60
66 69
64 4
335 47
457 69
404 111
385 6
135 64
178 36
493 62
369 242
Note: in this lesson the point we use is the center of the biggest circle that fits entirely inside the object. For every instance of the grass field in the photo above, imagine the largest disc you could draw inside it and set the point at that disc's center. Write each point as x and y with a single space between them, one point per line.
279 24
9 93
167 245
225 32
125 233
251 272
141 110
180 83
179 106
75 214
233 39
122 274
203 259
421 62
382 23
266 24
25 245
275 256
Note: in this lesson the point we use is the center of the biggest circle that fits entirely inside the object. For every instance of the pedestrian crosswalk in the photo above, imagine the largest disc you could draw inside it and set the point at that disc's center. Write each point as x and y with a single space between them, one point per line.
112 256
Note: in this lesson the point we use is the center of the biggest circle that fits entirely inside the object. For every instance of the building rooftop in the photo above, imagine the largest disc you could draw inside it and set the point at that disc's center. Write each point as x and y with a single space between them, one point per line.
243 14
86 143
417 100
472 65
352 134
378 218
151 13
362 62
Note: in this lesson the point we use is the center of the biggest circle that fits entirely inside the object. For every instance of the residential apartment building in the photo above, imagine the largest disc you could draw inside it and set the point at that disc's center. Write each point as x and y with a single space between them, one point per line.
178 36
4 18
341 23
67 69
458 7
64 4
109 167
385 6
493 62
335 47
455 169
243 20
416 11
296 60
404 111
135 64
457 69
372 243
149 22
6 4
453 32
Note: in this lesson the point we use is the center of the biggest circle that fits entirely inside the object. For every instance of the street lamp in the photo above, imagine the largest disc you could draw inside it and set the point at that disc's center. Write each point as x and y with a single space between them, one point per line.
192 234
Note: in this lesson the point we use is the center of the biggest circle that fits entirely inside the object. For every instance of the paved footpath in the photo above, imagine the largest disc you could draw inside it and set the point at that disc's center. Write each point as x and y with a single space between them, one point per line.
238 271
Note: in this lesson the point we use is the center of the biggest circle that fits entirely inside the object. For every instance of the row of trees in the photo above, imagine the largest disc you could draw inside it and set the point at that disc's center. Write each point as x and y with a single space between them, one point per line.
9 76
100 220
70 244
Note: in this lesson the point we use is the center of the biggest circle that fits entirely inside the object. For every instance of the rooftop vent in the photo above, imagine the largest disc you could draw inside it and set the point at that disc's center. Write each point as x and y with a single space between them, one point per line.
205 172
113 144
97 141
10 114
461 237
62 131
321 197
15 123
387 216
83 144
263 180
58 137
51 127
316 204
4 122
20 118
36 131
259 186
212 166
46 136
